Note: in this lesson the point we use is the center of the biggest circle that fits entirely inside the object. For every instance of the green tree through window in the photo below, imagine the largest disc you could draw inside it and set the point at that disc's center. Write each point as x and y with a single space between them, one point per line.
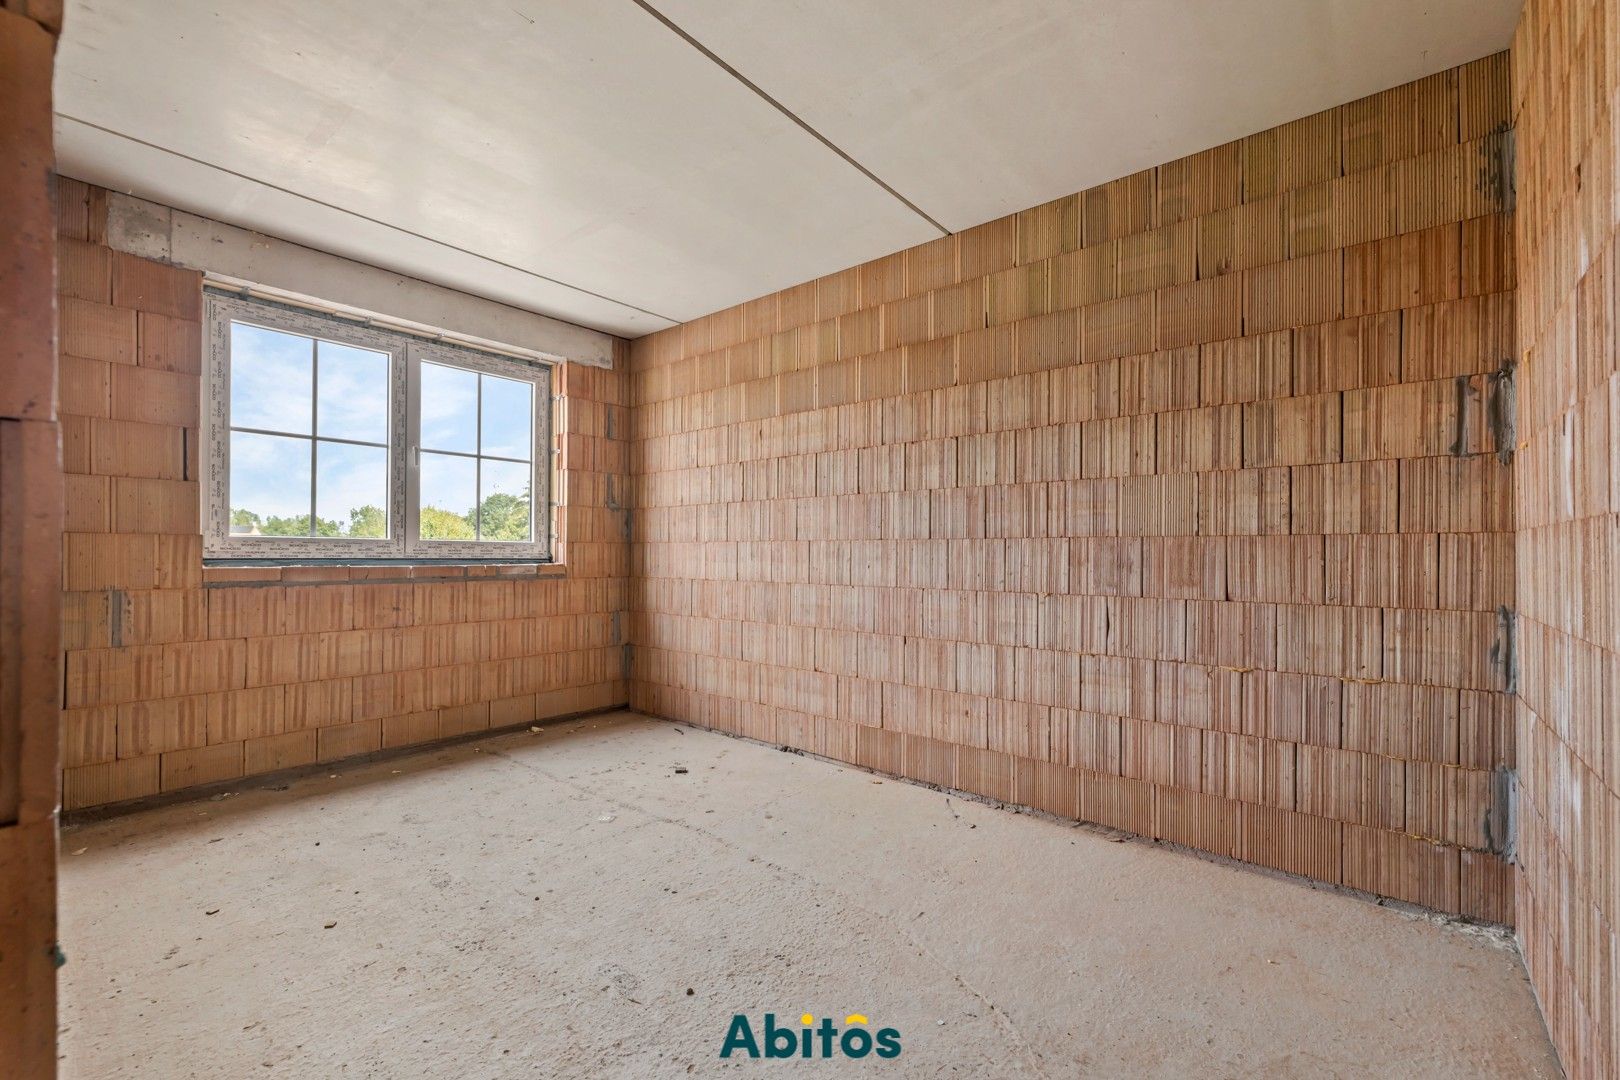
368 521
437 523
364 522
506 517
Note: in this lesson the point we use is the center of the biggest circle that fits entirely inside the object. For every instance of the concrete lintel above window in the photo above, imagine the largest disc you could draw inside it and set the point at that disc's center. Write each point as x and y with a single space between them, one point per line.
236 257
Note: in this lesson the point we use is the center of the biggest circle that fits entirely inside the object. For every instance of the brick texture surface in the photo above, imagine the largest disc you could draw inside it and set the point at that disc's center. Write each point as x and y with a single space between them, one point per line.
1174 505
1566 60
177 675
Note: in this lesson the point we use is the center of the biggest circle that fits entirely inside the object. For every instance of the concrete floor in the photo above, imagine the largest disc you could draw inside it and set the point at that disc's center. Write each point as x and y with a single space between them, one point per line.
566 904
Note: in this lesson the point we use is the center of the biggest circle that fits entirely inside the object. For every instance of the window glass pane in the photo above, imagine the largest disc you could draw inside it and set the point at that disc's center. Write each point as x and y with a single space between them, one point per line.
351 395
504 505
448 496
449 409
271 379
508 416
351 490
269 485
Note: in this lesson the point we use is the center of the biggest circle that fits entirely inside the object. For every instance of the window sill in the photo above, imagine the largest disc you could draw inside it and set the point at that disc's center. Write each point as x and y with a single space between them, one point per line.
376 574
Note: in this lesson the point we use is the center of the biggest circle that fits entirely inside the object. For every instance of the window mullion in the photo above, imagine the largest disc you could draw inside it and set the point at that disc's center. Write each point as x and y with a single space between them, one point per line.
411 432
396 459
478 464
314 434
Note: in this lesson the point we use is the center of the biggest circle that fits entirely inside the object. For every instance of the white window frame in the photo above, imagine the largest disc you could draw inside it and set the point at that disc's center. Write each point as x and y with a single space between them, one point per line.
406 353
539 376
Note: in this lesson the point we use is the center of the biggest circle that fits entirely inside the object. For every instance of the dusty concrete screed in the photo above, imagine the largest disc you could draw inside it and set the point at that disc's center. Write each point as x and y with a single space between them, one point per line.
566 903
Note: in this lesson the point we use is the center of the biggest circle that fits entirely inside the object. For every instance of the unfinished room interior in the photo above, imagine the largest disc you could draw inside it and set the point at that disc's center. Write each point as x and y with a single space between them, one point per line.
638 538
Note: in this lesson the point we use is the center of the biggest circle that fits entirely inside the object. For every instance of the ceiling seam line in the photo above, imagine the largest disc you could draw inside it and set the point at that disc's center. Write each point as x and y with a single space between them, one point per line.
375 221
787 112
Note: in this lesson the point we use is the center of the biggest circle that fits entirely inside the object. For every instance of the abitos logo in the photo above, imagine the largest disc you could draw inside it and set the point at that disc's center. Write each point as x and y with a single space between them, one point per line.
810 1039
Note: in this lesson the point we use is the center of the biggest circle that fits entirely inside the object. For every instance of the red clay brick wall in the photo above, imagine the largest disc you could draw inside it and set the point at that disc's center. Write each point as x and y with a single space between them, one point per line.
1566 61
1172 505
178 675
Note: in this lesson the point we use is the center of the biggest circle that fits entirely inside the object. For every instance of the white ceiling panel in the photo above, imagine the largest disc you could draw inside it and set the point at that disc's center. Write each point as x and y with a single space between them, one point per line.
581 140
121 164
974 109
622 167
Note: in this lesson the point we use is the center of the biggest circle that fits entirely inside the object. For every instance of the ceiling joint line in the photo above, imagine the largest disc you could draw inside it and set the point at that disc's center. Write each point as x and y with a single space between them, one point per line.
787 112
374 221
